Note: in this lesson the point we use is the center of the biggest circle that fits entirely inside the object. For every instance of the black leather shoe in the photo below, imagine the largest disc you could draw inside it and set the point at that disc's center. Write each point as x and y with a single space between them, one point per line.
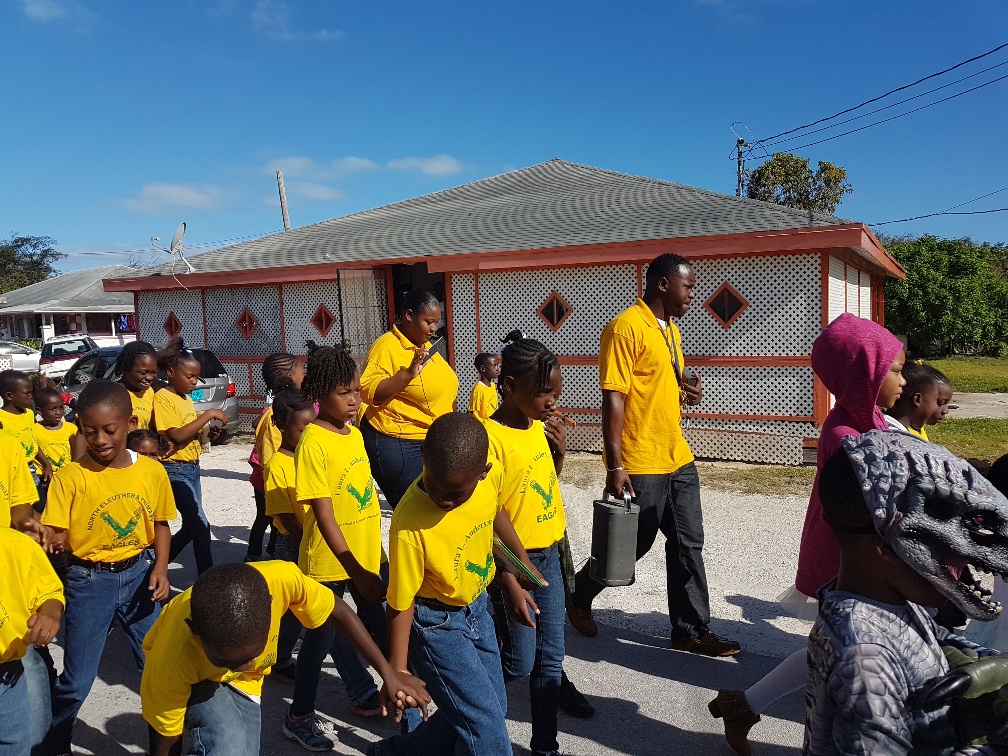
706 643
573 702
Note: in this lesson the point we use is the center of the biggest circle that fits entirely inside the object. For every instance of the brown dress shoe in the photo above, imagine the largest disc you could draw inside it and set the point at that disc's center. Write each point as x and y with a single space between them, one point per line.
582 621
738 719
706 643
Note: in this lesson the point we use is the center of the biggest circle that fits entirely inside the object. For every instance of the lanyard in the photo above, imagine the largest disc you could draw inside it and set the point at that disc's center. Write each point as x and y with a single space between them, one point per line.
675 356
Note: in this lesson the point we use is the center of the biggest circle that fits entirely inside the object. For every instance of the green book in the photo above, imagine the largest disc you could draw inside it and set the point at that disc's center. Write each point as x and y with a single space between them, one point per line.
510 562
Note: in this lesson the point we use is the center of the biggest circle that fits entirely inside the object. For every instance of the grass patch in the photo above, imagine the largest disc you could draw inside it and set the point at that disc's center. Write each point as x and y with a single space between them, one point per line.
981 375
765 480
978 437
584 470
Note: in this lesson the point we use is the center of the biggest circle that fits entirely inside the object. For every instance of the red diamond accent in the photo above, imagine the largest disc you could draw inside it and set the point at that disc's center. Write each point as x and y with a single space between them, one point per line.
726 305
172 326
247 323
554 311
323 320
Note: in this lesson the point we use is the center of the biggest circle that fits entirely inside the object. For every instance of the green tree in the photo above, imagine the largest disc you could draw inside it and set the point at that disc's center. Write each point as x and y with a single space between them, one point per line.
789 180
25 260
955 297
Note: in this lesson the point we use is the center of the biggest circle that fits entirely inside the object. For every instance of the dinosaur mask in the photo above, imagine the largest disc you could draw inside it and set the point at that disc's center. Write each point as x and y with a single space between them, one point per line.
937 513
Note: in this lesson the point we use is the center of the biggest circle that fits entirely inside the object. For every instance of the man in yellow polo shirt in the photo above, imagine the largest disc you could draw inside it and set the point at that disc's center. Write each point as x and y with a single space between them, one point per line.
641 370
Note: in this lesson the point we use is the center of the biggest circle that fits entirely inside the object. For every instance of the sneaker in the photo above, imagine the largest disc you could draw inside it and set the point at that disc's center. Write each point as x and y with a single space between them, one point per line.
284 674
706 643
572 700
582 621
372 707
310 732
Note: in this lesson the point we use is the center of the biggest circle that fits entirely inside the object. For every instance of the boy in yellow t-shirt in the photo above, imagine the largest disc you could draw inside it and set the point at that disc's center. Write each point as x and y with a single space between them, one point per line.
441 561
484 401
31 605
18 419
53 434
208 652
342 542
108 509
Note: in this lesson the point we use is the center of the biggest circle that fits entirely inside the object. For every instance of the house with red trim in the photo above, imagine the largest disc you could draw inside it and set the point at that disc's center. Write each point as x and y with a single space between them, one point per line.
557 250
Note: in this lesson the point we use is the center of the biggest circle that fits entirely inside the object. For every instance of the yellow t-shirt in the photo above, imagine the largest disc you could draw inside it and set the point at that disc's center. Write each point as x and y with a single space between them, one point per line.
55 443
110 512
483 401
267 437
409 413
530 491
27 581
331 465
634 359
281 493
922 433
22 427
174 411
16 484
175 657
143 408
445 556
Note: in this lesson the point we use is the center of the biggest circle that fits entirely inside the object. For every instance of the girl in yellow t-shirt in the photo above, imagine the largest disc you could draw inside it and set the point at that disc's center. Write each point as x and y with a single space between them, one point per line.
136 369
925 399
175 415
341 546
406 386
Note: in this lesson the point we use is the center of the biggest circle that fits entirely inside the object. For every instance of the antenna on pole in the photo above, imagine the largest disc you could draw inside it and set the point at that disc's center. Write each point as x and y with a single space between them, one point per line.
283 201
739 145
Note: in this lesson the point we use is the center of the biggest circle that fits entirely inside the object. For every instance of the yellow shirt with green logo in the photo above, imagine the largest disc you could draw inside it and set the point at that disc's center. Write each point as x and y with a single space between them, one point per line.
635 360
55 443
281 490
409 413
530 492
27 581
143 407
109 512
175 657
16 484
483 401
174 411
445 556
22 426
335 466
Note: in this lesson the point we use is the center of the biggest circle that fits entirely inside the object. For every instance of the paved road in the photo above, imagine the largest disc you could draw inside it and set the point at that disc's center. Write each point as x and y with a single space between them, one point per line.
980 405
651 701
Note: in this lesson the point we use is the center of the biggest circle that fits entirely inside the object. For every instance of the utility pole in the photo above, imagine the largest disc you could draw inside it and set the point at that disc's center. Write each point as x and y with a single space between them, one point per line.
283 200
741 166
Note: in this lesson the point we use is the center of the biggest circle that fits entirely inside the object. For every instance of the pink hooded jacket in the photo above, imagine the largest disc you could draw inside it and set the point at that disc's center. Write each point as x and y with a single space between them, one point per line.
851 357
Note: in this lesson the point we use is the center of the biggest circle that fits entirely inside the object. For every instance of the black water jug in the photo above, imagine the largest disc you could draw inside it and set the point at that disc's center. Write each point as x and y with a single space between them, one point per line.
614 540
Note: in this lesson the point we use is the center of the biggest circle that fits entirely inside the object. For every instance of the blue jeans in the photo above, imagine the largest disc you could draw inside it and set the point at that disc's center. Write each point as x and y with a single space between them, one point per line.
669 503
286 548
93 600
327 639
539 651
15 713
395 462
222 721
185 484
454 650
36 676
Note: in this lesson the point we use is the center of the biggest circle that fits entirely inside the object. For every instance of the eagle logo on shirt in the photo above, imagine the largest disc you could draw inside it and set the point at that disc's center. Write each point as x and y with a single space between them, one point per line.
483 572
123 531
363 499
547 496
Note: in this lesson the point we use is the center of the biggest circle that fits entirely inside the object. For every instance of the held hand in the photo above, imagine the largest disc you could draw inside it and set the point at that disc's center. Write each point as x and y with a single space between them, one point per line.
693 394
556 435
403 691
41 629
618 481
58 542
519 602
370 586
159 586
217 414
41 534
418 362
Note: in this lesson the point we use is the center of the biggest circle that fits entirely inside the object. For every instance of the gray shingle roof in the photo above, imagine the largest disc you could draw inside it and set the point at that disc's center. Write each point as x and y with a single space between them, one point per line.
552 204
77 291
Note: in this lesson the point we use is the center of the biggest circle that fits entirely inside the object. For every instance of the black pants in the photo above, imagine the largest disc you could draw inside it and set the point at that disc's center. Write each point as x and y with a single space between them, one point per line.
669 503
262 521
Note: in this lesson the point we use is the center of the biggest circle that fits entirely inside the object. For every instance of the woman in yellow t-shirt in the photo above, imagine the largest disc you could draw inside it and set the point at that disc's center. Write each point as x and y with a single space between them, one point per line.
136 369
176 417
407 386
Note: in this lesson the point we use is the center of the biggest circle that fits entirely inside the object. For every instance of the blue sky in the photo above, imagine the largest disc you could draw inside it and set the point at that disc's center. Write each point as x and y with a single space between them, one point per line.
123 119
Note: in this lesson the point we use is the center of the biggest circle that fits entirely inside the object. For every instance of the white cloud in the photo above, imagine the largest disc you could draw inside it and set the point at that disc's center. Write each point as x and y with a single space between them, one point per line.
272 17
439 165
312 191
54 10
163 198
309 169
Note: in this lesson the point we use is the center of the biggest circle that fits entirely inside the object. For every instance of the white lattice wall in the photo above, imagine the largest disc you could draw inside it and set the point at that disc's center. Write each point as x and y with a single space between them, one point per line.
156 306
463 295
223 308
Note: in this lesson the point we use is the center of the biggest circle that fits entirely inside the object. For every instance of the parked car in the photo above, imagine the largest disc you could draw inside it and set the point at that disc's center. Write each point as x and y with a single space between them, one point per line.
215 391
22 357
60 352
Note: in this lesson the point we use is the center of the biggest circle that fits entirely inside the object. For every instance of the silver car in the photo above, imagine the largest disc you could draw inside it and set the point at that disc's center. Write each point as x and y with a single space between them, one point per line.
215 389
22 357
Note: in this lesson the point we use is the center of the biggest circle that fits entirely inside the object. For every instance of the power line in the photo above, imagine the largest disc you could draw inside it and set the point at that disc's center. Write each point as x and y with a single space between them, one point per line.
892 91
944 212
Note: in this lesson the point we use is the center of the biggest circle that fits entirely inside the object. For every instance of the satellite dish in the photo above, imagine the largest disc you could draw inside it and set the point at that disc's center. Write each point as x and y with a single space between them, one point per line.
176 241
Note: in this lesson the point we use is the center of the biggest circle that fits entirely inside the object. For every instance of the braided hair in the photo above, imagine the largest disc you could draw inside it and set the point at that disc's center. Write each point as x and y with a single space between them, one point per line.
327 368
920 376
129 354
528 359
174 354
288 403
276 371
